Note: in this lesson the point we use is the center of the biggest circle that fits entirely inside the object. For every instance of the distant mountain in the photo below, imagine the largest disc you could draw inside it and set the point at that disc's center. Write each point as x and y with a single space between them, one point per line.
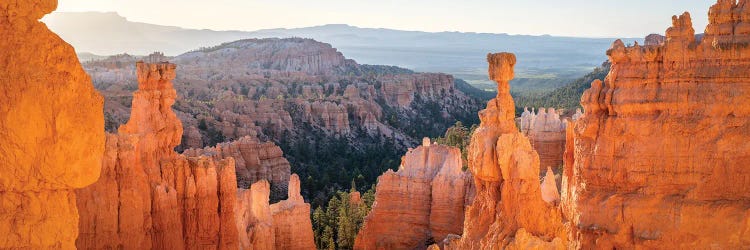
545 62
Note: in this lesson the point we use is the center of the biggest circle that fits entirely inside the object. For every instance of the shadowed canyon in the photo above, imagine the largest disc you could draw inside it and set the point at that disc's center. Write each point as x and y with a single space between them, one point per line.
287 144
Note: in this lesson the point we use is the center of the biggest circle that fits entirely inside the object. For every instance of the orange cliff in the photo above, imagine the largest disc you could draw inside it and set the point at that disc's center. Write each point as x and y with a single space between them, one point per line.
51 130
284 225
509 209
422 202
660 157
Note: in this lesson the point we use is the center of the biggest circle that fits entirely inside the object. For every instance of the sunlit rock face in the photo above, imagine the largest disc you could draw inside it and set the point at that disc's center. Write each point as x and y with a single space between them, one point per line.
51 130
661 156
509 209
148 196
291 220
424 201
255 161
284 225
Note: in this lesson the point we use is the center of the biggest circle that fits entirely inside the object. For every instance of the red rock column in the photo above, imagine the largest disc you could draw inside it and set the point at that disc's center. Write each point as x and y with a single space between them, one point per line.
51 130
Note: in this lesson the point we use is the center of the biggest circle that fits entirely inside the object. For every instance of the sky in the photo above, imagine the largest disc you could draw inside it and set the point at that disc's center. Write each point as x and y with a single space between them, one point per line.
580 18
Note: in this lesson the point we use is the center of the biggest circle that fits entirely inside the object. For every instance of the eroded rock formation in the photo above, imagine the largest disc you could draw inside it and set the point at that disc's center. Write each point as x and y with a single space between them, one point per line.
662 149
546 130
284 225
148 196
423 201
509 209
254 160
291 220
51 131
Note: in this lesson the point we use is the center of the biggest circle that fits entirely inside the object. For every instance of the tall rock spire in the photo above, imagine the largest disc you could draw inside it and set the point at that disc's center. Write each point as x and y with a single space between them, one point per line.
508 208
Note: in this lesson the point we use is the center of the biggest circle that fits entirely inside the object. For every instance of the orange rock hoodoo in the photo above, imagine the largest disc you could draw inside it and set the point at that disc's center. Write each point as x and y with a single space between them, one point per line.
424 200
661 156
509 209
51 131
148 196
284 225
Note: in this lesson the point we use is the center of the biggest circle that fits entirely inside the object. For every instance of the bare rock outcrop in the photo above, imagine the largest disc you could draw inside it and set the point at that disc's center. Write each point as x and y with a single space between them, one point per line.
291 220
663 146
423 201
254 161
148 196
509 209
51 131
284 225
254 219
546 130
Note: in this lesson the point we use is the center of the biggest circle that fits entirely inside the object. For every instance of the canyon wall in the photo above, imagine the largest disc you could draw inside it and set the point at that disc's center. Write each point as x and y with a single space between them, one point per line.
546 130
422 202
284 225
51 131
660 157
254 160
509 209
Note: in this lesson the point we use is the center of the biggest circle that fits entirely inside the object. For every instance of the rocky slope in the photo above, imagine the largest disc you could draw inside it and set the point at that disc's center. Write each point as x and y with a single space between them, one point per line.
663 146
509 209
51 131
422 202
307 98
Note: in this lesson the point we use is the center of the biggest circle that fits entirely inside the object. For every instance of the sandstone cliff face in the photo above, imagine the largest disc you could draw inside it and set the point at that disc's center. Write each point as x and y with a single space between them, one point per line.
51 131
254 160
291 220
662 149
284 225
424 200
546 131
148 196
509 209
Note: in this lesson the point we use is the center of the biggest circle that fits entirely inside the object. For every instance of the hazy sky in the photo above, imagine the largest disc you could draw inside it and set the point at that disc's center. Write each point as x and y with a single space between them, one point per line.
590 18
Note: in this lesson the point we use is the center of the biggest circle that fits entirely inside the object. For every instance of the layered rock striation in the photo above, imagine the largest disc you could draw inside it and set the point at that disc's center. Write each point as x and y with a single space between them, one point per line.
660 157
148 196
254 160
51 131
546 130
424 201
284 225
509 208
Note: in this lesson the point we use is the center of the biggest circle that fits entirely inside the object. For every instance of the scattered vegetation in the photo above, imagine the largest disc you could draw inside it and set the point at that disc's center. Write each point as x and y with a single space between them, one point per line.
336 226
458 136
567 97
